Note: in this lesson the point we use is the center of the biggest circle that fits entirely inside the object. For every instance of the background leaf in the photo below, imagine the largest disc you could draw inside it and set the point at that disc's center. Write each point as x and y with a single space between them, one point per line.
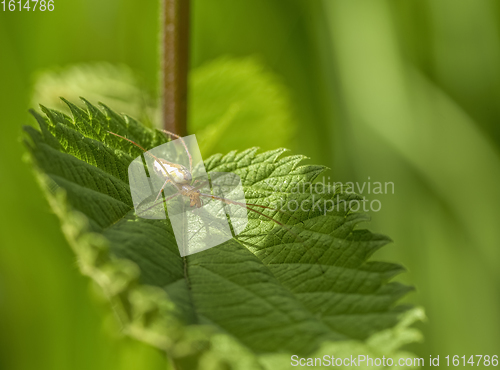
446 58
251 100
117 85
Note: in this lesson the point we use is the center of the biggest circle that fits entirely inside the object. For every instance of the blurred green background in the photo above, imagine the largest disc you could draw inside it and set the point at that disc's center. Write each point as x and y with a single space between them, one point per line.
401 91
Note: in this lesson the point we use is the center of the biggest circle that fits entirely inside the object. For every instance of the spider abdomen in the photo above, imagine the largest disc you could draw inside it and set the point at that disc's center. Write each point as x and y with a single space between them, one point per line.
176 172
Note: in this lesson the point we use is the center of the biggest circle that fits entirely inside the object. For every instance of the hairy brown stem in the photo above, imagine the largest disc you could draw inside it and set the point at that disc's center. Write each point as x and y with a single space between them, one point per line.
174 64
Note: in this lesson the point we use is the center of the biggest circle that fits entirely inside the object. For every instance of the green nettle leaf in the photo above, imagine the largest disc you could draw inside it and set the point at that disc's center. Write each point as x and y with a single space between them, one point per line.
249 303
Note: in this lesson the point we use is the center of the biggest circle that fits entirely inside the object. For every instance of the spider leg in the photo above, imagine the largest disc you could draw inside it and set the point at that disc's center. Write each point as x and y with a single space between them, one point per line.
151 155
228 201
185 147
163 187
284 226
207 182
198 180
156 204
259 205
275 209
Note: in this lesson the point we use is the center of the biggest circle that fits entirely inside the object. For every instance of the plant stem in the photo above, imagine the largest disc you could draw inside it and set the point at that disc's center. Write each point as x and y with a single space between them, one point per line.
174 64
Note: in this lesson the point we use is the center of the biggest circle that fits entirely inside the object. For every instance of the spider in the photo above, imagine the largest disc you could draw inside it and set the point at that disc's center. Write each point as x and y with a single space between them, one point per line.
178 182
